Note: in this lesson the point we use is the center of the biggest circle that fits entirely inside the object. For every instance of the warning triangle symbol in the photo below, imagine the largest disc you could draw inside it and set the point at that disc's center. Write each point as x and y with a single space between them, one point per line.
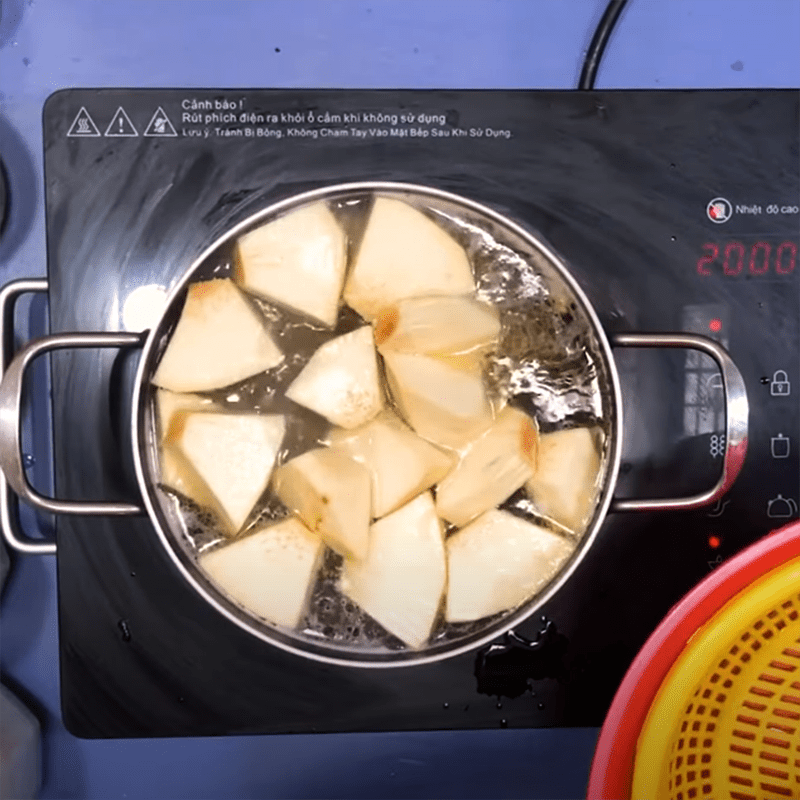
121 125
160 125
83 125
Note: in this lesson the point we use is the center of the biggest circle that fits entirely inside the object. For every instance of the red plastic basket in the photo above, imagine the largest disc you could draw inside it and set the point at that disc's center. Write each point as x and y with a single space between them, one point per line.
614 761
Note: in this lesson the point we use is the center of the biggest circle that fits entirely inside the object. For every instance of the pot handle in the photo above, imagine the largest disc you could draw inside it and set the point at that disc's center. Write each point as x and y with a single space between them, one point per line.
11 384
736 418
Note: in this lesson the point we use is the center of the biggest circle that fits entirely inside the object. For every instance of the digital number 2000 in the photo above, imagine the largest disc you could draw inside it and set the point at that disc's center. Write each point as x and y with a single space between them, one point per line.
736 258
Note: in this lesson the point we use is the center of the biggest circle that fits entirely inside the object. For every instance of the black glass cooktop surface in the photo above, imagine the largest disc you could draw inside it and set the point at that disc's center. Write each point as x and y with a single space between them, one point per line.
675 211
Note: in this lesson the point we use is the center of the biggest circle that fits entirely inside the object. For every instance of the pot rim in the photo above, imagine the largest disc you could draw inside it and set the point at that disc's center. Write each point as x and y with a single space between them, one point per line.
444 650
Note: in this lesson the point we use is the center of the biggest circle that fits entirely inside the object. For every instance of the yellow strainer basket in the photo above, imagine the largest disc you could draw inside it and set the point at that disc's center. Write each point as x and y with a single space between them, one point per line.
710 706
726 720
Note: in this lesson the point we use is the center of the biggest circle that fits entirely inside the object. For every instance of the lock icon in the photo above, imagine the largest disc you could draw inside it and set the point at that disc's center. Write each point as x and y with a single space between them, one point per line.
780 386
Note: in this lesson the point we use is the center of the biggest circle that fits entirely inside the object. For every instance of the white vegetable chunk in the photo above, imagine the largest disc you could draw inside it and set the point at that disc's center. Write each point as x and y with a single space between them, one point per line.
493 468
298 260
401 581
442 403
219 339
233 454
170 403
340 381
437 325
400 463
331 493
270 572
497 563
564 486
404 254
175 471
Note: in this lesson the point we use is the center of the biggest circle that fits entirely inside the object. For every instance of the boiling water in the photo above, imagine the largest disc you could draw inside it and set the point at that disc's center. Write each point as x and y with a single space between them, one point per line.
547 363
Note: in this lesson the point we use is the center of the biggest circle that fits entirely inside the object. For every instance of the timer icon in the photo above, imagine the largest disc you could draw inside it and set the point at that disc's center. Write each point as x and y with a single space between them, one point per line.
719 210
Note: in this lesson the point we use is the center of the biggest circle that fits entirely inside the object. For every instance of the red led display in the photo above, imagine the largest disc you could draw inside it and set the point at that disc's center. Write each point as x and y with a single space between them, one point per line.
733 260
785 266
739 258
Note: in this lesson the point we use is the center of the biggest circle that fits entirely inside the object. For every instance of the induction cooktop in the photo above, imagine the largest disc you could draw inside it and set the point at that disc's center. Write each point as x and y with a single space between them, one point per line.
674 210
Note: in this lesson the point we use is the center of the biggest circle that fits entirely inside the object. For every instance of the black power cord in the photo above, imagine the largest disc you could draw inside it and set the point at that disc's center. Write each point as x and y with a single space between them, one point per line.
599 41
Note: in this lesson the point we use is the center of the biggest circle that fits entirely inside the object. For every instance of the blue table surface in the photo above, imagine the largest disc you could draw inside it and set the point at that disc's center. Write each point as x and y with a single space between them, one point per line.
47 45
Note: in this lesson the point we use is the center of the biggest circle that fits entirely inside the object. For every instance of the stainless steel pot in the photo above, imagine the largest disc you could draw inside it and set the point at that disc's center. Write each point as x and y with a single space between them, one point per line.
490 237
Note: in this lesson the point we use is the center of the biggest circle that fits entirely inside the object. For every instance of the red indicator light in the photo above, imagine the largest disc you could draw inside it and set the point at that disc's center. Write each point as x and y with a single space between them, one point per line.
714 542
715 325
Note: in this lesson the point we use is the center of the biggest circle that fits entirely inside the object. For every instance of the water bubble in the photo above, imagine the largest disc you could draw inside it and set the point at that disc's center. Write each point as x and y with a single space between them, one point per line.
133 574
28 460
540 706
125 629
673 238
503 723
445 706
499 705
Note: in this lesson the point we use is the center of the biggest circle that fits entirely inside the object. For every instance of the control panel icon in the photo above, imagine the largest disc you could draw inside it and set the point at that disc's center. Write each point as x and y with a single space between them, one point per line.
781 507
716 446
719 210
780 385
719 508
780 446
